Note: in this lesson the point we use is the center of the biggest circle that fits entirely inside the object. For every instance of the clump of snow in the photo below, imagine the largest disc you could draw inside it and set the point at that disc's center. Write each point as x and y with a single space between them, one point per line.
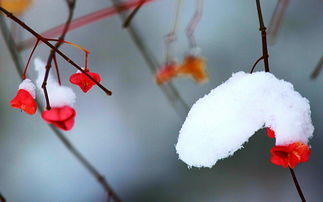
59 96
219 123
28 85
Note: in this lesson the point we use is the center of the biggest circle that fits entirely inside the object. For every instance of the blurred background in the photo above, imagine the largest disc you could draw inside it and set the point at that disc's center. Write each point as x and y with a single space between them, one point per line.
130 137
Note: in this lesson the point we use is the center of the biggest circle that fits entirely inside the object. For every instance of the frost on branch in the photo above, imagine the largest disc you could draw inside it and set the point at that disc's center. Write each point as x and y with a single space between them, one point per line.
59 96
219 123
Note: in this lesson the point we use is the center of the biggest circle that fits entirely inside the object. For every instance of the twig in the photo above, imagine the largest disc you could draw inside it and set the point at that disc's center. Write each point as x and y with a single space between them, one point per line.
2 198
299 190
190 29
317 69
262 29
254 65
265 58
69 146
22 24
71 6
82 21
169 89
277 20
132 14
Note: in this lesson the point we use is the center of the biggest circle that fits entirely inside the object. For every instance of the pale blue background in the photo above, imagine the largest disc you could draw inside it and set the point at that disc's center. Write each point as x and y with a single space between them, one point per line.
130 136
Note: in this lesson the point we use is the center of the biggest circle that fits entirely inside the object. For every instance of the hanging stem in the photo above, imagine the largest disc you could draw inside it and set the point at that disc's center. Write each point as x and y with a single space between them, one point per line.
30 56
262 29
190 29
277 20
86 68
254 65
172 35
298 187
57 70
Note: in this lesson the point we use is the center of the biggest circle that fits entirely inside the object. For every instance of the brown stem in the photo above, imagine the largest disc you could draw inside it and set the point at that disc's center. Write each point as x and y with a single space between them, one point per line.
22 24
262 29
317 69
190 29
57 70
132 14
68 145
27 64
277 20
71 6
298 187
254 65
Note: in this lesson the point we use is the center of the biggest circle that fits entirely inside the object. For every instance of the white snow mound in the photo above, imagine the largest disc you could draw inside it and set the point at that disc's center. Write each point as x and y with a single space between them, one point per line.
222 121
28 85
59 96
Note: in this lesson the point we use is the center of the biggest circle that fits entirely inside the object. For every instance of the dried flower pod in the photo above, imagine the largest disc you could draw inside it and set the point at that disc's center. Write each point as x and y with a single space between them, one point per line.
194 66
166 73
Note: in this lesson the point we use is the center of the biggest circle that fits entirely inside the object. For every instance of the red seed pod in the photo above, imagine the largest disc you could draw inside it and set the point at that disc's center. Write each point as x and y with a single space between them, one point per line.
24 101
84 82
290 155
61 117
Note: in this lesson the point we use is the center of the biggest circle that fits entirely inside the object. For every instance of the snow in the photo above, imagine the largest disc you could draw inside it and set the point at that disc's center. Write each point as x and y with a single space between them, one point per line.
59 96
222 121
28 85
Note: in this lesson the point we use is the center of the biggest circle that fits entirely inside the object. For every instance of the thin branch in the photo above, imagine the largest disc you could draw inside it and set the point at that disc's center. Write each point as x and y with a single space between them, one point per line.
317 69
190 29
69 146
132 14
254 65
265 58
262 29
277 20
172 35
71 6
83 20
298 187
168 89
22 24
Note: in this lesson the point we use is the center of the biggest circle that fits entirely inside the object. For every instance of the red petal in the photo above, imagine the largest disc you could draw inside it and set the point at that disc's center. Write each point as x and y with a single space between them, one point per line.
24 101
84 82
61 117
290 155
271 133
